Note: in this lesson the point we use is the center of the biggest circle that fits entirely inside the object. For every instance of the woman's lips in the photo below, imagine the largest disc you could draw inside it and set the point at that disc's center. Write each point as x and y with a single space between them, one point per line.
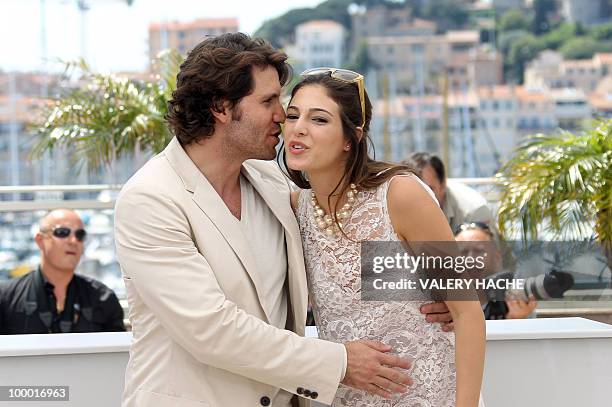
295 147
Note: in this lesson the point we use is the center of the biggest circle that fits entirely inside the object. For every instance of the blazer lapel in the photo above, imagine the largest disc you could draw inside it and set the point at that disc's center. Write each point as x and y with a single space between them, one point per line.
279 204
209 201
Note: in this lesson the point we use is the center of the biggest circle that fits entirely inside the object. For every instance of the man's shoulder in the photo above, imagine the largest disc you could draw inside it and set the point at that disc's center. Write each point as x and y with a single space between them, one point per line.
156 177
101 290
153 172
9 288
469 203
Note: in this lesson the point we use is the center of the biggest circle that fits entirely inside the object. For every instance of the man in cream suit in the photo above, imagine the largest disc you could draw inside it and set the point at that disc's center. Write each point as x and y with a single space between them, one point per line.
211 255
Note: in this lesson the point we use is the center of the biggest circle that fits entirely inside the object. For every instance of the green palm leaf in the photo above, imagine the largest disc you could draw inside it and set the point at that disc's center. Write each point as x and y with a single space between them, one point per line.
560 184
107 117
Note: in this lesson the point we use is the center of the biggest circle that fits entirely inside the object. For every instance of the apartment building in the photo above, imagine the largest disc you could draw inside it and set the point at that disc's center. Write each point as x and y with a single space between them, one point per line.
418 62
601 100
183 36
571 107
550 70
587 12
318 43
484 124
381 21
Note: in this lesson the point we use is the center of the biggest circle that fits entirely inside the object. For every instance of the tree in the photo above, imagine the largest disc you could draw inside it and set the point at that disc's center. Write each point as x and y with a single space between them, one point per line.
521 52
281 30
556 38
561 184
580 48
513 20
107 117
447 14
602 32
508 38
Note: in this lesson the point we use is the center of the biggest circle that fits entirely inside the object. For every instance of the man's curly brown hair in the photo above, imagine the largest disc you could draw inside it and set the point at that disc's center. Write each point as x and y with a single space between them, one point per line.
217 70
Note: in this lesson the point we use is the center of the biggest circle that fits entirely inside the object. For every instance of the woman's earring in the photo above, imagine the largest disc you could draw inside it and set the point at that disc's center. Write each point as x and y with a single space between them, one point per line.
347 147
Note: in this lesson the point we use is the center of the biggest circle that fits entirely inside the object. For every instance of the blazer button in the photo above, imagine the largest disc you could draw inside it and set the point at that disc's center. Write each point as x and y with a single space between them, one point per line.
300 390
307 393
264 401
314 395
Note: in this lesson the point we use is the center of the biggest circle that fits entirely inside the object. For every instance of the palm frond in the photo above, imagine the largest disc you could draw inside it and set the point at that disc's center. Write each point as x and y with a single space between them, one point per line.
560 184
105 117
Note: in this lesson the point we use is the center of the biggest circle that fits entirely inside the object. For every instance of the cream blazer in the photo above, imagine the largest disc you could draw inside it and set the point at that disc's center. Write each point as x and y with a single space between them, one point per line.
201 335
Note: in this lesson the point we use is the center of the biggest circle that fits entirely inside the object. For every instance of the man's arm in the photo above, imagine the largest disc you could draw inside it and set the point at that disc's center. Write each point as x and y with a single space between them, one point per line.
438 312
156 251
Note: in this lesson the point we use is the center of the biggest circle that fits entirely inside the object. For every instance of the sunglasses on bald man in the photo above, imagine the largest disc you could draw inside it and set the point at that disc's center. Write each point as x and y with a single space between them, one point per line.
63 232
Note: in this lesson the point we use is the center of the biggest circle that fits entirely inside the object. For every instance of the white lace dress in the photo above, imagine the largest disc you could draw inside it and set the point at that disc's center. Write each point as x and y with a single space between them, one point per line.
333 268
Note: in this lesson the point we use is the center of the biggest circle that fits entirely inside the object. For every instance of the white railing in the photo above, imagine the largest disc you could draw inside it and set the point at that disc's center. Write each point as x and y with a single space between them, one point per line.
45 203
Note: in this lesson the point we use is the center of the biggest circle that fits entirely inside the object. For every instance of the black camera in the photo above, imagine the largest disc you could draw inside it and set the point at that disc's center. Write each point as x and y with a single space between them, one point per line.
542 287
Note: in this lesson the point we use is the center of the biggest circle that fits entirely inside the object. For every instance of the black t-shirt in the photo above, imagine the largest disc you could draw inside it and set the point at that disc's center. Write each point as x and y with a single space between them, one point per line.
28 306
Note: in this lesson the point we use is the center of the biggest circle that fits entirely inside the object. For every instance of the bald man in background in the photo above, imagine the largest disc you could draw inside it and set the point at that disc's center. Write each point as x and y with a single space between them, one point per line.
52 298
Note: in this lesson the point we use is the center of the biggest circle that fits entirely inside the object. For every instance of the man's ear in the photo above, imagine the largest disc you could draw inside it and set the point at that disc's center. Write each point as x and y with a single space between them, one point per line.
38 239
221 111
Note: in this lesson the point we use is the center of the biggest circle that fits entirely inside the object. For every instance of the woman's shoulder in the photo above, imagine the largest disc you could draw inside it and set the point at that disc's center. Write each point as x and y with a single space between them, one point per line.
414 212
407 190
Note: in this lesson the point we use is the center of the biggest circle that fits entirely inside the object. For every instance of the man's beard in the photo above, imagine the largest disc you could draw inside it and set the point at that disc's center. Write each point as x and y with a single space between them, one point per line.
246 142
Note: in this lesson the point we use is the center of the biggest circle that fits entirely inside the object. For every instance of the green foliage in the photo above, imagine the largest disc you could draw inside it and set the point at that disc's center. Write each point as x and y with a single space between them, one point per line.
506 39
448 14
579 48
602 32
523 50
559 184
281 30
561 35
514 20
106 117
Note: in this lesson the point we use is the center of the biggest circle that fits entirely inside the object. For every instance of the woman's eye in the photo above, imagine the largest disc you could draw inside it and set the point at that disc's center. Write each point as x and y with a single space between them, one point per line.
292 116
320 119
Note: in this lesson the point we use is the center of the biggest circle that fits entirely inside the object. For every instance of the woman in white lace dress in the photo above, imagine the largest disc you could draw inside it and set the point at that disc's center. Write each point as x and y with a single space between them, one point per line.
326 152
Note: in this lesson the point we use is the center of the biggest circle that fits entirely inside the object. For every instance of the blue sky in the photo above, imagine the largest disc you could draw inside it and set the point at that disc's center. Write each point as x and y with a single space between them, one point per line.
115 34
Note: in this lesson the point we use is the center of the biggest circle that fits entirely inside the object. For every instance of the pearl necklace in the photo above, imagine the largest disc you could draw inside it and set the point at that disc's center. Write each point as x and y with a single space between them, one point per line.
326 222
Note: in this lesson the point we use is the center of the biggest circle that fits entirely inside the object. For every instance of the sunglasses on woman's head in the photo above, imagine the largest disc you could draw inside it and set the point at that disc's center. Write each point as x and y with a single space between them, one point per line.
63 232
346 76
